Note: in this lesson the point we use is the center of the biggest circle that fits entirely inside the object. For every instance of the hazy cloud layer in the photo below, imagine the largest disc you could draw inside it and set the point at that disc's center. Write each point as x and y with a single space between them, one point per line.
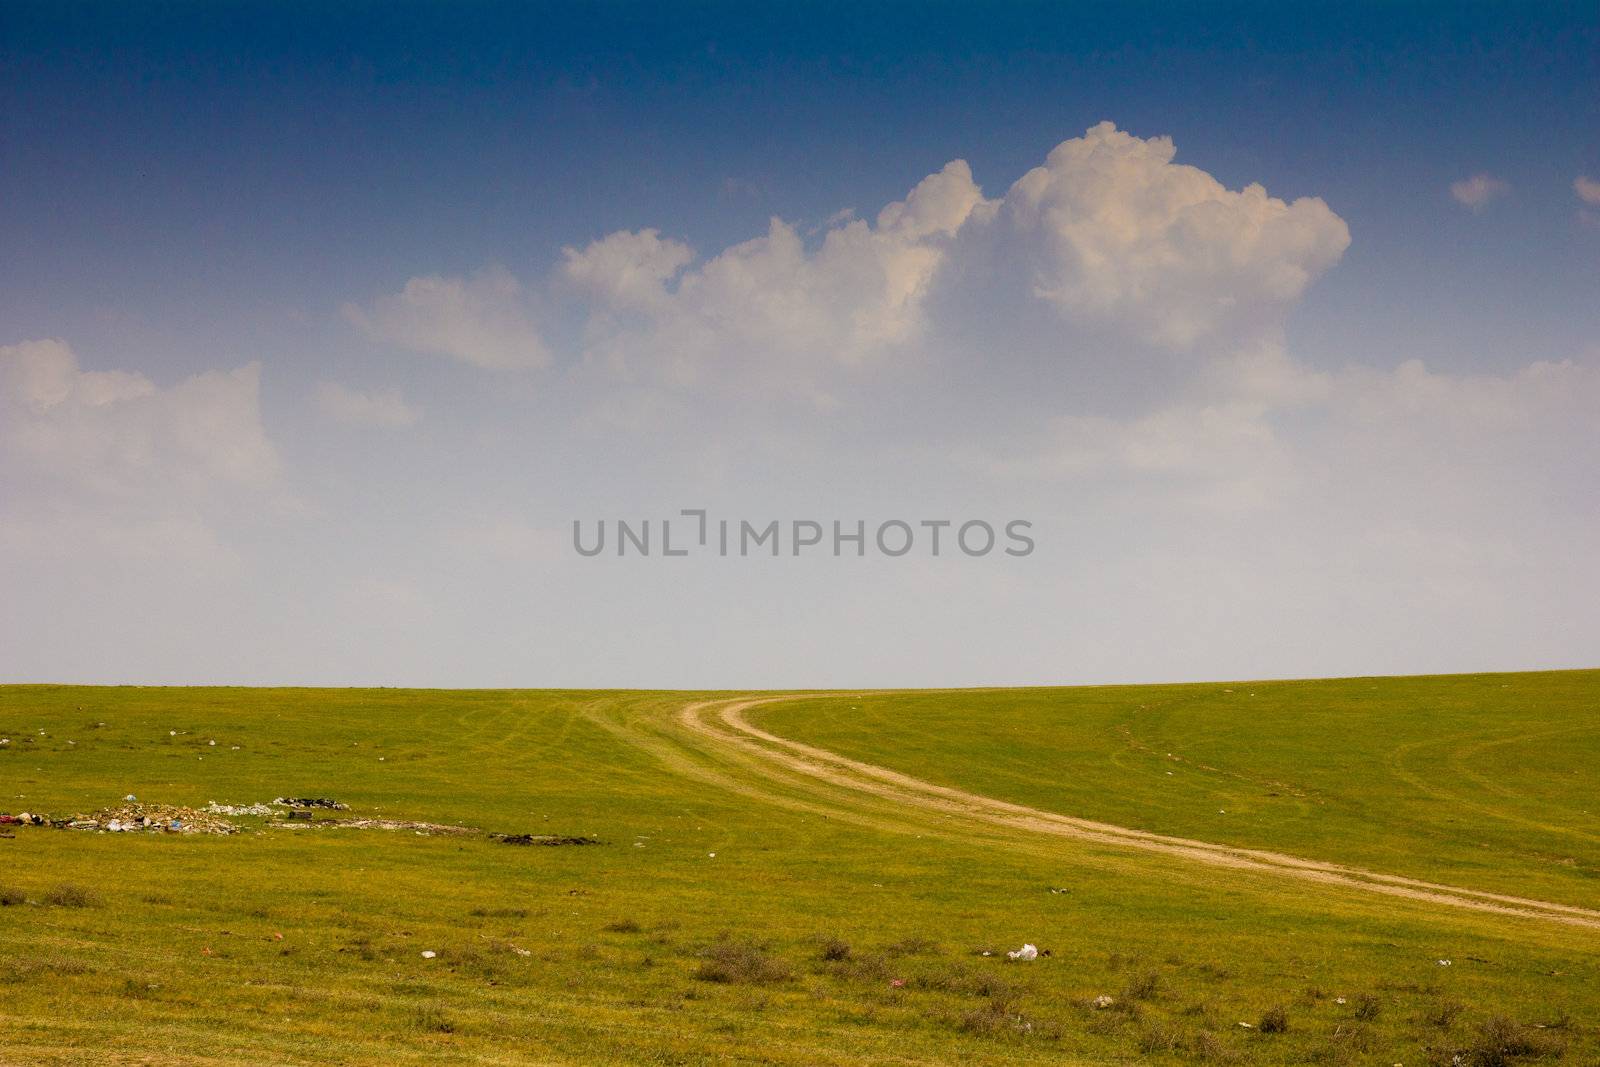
1101 348
354 407
118 434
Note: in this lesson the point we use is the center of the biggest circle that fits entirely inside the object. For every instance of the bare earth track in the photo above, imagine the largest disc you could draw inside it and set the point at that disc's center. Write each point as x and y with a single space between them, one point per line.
722 723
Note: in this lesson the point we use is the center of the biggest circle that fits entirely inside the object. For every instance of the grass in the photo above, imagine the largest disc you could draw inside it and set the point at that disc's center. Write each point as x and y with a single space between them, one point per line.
1485 781
731 916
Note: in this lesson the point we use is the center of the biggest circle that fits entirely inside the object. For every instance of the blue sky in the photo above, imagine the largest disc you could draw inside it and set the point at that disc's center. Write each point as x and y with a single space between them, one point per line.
190 189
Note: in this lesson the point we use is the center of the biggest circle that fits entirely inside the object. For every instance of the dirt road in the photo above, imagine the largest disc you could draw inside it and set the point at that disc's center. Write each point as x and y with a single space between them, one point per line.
722 723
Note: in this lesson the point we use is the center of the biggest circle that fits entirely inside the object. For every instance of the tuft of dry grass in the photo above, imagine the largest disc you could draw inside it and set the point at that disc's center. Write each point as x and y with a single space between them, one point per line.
1143 986
1160 1037
740 963
1442 1013
1274 1020
11 896
71 895
1502 1042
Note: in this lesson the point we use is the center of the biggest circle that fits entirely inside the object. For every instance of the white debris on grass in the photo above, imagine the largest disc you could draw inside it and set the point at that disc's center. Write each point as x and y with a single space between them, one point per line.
1026 952
259 810
1103 1001
428 954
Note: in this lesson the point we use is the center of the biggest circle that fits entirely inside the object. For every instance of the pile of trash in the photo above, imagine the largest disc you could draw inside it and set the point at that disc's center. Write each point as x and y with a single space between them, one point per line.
134 817
311 802
257 810
287 813
22 819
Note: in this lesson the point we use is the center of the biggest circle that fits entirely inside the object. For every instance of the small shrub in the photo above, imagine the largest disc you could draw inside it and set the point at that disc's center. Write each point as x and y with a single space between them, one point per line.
1159 1037
1274 1021
737 962
1209 1048
1442 1013
11 896
1500 1042
622 926
1345 1044
835 951
1143 985
68 895
964 981
987 1020
999 1015
1368 1007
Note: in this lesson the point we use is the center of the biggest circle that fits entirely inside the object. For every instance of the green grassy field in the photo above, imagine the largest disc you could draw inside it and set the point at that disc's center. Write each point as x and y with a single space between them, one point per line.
739 912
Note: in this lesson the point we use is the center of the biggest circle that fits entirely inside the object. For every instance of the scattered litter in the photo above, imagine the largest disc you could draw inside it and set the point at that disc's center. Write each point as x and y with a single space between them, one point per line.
135 818
131 799
1247 1026
711 855
1059 889
213 744
428 954
550 840
258 810
311 802
1103 1001
1026 952
1444 963
1338 1000
897 983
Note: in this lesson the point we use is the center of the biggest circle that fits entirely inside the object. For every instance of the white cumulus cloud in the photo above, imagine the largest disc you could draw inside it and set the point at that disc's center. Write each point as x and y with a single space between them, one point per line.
1162 248
484 320
772 299
1476 192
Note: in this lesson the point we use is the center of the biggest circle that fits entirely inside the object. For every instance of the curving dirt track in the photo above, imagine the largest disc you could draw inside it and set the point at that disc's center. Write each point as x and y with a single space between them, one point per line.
722 724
